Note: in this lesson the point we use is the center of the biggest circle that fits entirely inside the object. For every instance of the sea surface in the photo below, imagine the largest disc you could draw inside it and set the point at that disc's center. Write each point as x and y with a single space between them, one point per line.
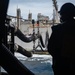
38 64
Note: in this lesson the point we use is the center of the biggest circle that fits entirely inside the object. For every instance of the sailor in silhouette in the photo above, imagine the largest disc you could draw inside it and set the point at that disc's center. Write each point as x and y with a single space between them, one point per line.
61 44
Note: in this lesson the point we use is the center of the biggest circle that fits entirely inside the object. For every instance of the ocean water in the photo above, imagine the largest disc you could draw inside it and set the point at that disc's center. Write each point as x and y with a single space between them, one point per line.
38 64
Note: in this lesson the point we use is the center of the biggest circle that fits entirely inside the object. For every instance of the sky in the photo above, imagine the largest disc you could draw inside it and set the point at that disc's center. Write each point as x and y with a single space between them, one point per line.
45 7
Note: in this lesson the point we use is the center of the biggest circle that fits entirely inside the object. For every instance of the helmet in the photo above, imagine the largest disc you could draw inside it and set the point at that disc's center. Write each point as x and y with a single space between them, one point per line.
67 9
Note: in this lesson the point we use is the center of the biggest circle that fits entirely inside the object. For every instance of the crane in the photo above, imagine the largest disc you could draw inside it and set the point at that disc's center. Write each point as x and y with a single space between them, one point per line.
55 12
55 5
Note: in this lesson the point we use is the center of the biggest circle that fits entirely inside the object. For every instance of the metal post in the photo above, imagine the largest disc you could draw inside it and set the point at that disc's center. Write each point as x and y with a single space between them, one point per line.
33 22
38 33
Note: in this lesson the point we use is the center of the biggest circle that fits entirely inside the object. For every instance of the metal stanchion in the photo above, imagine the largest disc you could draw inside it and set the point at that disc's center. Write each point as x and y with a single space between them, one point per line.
33 22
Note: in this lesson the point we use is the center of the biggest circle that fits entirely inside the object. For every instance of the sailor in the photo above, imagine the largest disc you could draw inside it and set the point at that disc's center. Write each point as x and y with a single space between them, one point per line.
61 44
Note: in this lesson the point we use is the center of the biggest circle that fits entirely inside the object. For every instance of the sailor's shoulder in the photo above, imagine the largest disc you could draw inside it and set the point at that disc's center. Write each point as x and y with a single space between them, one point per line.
56 27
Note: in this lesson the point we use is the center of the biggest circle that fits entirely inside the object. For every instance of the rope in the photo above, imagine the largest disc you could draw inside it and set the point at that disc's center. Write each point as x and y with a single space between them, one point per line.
41 40
46 40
